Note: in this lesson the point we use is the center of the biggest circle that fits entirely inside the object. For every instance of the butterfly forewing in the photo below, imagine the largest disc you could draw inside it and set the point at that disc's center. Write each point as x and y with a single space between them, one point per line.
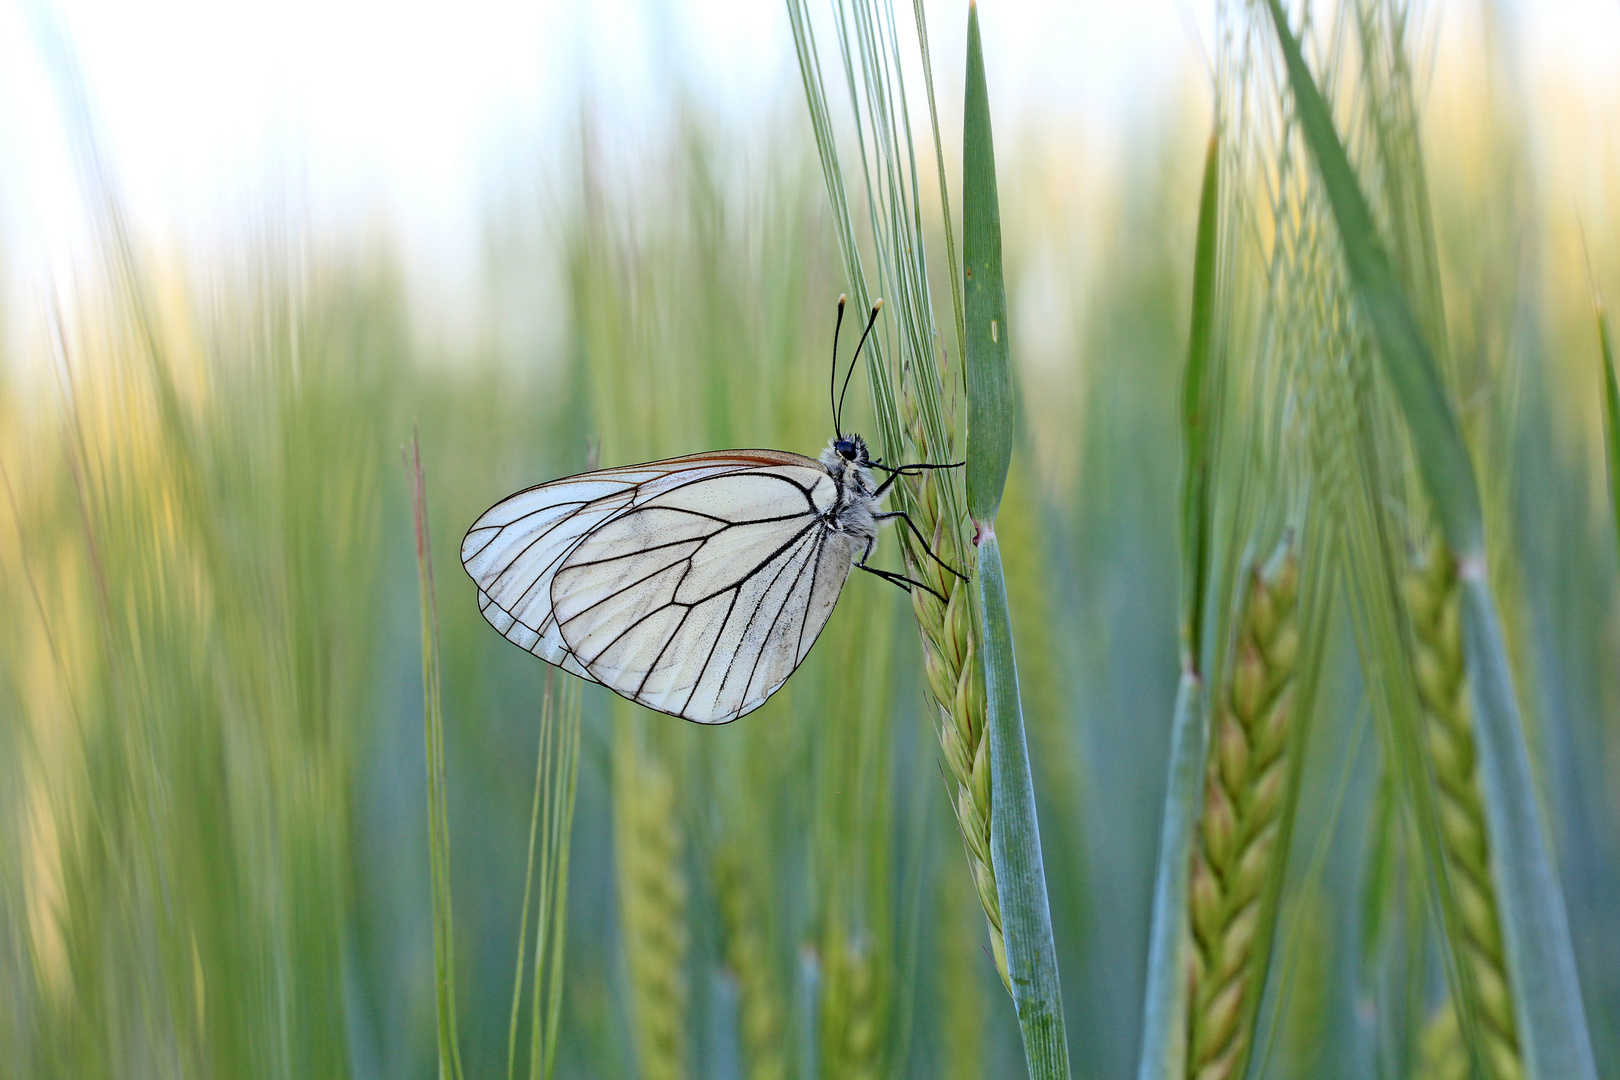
694 586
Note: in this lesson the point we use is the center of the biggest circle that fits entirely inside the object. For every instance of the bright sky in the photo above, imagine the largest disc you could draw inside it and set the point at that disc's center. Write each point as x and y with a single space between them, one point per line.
416 111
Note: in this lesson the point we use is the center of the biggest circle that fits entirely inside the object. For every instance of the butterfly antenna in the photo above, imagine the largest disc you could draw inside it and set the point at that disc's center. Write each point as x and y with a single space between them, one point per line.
832 379
877 306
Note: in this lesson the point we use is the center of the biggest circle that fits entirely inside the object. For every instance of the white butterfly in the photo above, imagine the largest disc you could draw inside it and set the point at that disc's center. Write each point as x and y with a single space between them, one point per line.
694 585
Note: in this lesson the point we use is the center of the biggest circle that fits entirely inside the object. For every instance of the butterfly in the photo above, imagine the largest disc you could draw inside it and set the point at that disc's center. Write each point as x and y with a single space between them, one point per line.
695 585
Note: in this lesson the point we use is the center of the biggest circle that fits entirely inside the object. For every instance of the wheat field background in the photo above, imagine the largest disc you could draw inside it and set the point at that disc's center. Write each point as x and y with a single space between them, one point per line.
213 799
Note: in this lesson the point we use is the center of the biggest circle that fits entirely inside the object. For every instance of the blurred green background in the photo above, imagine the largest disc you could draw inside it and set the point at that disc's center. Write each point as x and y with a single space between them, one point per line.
213 855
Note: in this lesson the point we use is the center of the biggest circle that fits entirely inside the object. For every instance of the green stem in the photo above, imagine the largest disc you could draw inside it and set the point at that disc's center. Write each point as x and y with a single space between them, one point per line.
1015 836
1164 1011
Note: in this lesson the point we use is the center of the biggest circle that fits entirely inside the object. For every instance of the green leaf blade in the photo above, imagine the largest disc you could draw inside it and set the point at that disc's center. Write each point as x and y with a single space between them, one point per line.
1535 927
989 369
1197 399
1015 838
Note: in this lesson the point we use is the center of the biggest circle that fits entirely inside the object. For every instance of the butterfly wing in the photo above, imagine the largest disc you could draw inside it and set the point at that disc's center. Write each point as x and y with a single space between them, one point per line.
701 600
633 565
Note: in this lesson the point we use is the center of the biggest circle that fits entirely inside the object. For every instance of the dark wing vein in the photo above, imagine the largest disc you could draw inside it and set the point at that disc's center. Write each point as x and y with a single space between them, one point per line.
643 551
815 573
673 634
704 670
734 587
495 531
787 601
742 638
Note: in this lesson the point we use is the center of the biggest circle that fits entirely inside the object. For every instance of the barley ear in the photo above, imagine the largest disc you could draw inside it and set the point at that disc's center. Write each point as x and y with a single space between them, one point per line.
1246 777
850 1026
748 953
956 681
1442 1054
652 902
1433 602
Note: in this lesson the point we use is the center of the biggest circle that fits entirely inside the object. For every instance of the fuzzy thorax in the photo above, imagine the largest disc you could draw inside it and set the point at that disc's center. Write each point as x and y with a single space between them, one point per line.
855 511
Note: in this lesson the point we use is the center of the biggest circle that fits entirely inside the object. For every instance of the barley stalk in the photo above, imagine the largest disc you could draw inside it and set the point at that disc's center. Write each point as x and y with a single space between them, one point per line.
652 899
955 675
1433 601
748 954
1442 1055
850 1025
961 996
1244 793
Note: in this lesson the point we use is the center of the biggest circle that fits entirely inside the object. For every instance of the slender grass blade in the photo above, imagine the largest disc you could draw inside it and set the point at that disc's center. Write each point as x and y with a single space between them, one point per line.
444 963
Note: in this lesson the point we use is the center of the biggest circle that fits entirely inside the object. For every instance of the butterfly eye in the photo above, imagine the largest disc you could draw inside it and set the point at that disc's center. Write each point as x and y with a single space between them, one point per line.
846 449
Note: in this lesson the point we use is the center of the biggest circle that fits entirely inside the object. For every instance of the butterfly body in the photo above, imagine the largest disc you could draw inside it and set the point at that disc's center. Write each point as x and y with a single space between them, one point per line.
855 511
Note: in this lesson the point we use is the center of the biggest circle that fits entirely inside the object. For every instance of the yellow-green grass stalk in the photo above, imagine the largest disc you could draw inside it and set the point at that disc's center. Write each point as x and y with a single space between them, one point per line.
1409 847
749 953
1544 986
917 423
648 845
850 1013
1367 489
444 956
551 821
184 756
1441 1052
1257 587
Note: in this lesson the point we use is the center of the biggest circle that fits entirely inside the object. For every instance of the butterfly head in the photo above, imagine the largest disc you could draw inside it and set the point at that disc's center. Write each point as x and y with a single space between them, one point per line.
846 455
851 448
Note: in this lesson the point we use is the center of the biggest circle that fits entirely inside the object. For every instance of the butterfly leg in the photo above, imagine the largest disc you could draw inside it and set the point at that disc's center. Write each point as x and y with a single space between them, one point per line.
899 579
912 525
897 471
